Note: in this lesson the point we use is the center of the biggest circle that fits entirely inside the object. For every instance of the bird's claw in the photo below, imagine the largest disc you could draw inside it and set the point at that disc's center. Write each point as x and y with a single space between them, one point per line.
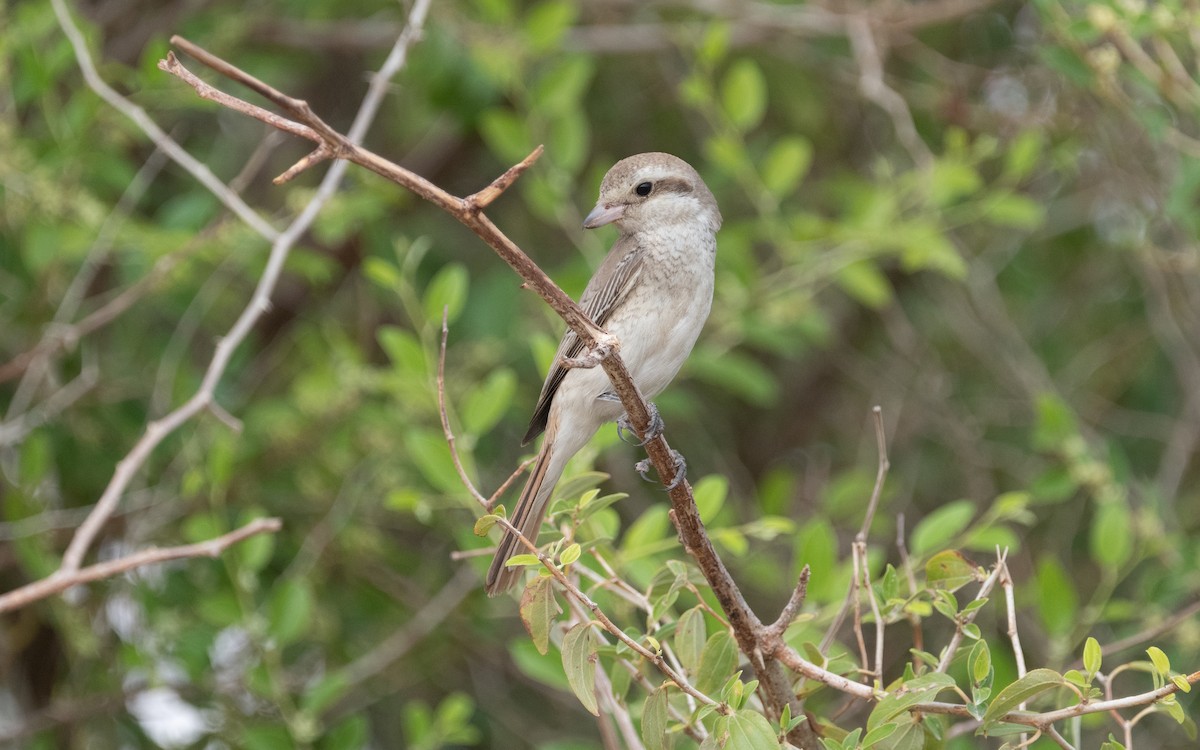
654 430
643 469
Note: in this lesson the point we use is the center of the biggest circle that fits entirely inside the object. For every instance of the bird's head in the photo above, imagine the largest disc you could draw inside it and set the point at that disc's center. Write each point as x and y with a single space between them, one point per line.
653 190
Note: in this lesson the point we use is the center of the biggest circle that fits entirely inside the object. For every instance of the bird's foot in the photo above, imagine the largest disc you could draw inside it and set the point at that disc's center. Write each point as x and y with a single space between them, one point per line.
654 430
643 469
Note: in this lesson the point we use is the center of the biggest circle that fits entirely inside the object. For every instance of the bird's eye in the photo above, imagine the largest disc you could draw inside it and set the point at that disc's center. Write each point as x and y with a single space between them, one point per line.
644 189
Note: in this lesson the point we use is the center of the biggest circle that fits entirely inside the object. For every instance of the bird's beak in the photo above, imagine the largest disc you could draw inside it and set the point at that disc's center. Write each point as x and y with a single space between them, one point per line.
603 214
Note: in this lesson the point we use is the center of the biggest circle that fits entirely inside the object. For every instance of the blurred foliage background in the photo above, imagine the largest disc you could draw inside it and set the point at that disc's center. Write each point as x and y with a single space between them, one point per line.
981 216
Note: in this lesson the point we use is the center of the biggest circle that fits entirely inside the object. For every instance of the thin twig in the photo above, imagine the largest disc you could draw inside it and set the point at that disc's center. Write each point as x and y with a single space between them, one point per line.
874 88
914 619
449 434
881 472
63 579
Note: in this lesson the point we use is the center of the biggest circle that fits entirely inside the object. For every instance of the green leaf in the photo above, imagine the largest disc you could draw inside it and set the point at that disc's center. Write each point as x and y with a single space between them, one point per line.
980 661
485 404
1160 661
863 281
1034 683
690 634
717 662
1182 683
403 349
517 561
289 611
1054 424
506 134
750 730
710 493
654 720
1023 154
578 646
1014 210
447 290
1057 601
950 570
538 609
917 690
744 94
941 526
1112 534
570 554
786 164
562 86
1111 744
879 734
484 524
1092 656
548 22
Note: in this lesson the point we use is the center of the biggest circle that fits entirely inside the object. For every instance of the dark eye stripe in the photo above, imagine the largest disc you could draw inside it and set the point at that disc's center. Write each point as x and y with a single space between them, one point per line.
673 185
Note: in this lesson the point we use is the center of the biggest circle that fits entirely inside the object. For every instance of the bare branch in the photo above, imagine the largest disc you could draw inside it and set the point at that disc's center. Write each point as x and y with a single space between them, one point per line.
450 440
874 88
64 579
259 302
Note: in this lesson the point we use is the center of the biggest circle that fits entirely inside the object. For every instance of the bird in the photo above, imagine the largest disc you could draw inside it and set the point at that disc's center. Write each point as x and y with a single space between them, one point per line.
653 292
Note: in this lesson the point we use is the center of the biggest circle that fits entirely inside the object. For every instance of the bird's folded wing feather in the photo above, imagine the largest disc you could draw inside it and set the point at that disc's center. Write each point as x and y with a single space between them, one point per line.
614 279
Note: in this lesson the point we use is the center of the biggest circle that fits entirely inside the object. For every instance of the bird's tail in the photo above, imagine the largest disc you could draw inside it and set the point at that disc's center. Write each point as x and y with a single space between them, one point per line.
528 516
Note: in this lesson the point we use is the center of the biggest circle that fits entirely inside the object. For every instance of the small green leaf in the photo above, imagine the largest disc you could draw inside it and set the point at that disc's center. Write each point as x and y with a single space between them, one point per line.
879 734
1055 423
1057 602
785 165
1160 661
917 690
690 636
750 730
744 94
484 524
1182 683
522 559
1112 533
941 526
570 554
1092 656
1034 683
950 570
710 493
1112 744
538 609
654 720
447 291
289 611
717 661
980 661
485 404
578 646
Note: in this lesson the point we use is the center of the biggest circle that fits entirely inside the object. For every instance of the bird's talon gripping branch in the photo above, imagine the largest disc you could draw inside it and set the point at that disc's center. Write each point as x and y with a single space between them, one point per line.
654 430
680 470
643 469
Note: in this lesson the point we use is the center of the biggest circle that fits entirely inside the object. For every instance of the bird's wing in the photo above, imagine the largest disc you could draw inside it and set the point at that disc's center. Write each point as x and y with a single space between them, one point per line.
610 285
